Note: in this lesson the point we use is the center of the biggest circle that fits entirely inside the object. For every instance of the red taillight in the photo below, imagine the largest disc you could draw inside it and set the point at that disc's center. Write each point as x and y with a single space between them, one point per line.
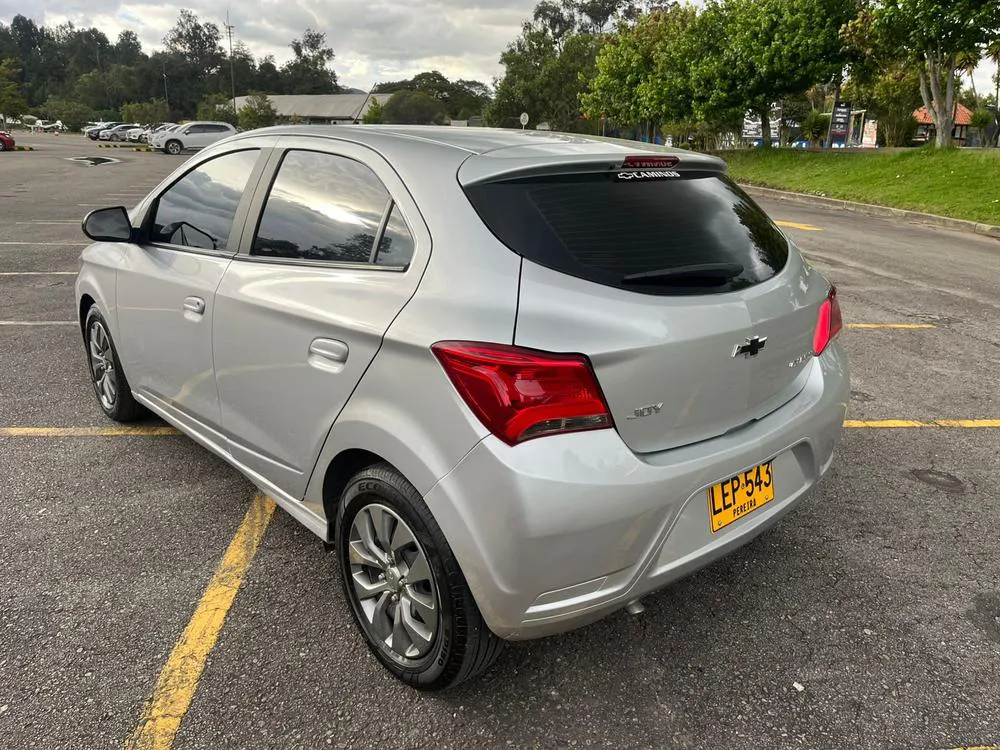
829 323
519 394
650 162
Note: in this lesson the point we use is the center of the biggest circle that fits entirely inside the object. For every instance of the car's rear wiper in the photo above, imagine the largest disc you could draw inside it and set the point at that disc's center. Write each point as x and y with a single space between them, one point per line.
695 274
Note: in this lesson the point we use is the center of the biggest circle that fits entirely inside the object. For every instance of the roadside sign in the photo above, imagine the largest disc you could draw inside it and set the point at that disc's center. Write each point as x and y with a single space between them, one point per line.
524 119
840 123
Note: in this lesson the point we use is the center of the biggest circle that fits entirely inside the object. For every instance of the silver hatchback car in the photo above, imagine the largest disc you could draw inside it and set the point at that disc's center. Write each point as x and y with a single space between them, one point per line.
518 379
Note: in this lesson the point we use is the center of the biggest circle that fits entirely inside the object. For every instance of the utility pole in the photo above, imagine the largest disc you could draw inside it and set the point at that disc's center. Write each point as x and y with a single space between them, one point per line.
166 96
232 70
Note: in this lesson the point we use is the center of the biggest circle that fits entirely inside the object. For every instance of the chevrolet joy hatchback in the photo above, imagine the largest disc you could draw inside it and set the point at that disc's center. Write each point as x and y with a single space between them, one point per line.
518 379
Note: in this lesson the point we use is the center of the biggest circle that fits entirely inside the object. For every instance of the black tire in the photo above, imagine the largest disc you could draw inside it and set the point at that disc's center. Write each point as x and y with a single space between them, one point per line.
2 146
173 148
464 646
123 407
115 137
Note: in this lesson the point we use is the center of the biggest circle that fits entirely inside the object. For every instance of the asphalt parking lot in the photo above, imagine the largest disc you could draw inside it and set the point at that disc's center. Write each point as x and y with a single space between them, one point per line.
869 618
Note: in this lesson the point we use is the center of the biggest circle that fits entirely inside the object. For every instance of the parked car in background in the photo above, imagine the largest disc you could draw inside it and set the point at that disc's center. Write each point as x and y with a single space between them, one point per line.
118 132
147 134
612 370
93 132
191 136
6 141
135 134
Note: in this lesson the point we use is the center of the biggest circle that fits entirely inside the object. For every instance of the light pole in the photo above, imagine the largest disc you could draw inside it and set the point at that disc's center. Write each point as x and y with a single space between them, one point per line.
166 96
232 72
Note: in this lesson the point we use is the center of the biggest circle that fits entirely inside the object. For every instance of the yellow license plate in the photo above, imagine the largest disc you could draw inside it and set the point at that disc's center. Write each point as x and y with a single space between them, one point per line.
739 496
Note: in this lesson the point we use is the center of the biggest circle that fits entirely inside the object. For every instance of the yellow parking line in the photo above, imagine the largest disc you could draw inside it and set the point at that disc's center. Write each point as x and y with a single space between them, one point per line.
904 423
891 325
87 431
795 225
178 681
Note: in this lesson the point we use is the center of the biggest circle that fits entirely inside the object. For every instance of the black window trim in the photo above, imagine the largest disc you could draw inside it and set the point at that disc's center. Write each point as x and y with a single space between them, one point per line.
145 228
248 255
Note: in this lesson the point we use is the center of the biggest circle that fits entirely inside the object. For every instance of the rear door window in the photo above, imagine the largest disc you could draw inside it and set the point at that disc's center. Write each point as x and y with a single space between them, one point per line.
695 232
324 207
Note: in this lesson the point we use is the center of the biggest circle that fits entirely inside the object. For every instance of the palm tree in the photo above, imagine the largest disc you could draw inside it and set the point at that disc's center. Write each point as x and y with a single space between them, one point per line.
966 62
993 54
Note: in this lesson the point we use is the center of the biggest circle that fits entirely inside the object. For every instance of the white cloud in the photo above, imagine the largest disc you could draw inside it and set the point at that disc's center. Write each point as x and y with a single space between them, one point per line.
373 41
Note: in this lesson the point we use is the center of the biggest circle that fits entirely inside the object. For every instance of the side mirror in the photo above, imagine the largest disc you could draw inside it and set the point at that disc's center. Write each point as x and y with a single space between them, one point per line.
108 225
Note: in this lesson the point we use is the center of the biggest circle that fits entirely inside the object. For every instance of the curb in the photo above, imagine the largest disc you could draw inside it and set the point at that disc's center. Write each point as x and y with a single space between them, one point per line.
115 145
24 148
869 209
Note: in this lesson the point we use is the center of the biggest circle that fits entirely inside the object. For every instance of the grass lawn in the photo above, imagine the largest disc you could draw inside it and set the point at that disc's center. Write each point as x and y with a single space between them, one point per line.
961 183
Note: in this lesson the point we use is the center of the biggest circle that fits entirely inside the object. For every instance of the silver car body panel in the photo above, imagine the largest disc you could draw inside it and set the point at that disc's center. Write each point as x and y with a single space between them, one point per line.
290 365
558 533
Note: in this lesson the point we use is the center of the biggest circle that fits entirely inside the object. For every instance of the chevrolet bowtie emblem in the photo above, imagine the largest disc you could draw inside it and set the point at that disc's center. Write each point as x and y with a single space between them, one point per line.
751 347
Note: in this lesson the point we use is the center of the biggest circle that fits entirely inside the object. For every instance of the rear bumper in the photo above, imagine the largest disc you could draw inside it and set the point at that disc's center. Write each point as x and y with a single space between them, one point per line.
559 532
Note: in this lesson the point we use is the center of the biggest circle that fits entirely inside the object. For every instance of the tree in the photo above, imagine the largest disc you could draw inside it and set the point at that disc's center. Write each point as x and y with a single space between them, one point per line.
414 108
198 43
257 112
735 70
217 107
993 54
815 126
375 114
12 101
269 77
643 72
146 113
981 120
456 96
308 72
544 78
128 49
931 34
966 62
73 115
891 97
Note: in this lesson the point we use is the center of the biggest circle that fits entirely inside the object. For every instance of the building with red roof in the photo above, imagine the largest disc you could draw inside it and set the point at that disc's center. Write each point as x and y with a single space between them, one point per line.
926 130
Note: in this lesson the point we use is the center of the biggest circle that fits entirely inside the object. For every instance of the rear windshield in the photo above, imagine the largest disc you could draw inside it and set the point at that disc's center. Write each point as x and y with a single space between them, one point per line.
687 233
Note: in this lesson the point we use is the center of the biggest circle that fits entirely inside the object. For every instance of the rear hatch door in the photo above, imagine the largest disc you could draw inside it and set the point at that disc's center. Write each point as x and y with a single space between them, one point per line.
694 310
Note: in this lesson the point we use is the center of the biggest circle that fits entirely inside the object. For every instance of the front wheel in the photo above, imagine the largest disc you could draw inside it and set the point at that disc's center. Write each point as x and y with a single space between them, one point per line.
115 137
106 374
2 146
173 148
407 593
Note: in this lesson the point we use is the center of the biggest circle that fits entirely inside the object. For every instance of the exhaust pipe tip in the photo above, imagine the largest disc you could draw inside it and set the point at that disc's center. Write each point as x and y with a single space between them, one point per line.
635 607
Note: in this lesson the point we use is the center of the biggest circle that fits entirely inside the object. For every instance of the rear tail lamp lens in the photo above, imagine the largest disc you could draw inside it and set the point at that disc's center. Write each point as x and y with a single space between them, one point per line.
520 394
828 324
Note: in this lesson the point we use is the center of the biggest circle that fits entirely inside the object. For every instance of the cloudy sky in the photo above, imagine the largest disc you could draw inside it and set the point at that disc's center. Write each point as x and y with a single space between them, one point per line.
374 40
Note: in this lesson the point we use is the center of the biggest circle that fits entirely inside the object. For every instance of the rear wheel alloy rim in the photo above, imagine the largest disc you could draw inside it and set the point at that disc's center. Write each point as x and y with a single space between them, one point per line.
102 366
392 583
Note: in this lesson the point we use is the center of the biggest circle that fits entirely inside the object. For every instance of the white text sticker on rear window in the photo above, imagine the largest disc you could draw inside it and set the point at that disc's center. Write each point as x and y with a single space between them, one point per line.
647 175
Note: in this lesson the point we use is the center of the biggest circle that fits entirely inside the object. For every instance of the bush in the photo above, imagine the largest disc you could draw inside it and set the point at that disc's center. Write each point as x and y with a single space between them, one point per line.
414 108
257 112
815 126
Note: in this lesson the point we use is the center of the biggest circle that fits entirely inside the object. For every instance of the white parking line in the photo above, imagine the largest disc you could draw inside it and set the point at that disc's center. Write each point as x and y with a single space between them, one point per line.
38 323
37 273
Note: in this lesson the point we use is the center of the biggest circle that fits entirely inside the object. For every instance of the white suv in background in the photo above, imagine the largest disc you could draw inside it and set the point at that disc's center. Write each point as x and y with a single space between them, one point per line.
191 136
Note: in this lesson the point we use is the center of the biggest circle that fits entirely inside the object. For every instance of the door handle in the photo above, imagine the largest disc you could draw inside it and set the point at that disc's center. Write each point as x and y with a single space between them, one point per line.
195 305
329 349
